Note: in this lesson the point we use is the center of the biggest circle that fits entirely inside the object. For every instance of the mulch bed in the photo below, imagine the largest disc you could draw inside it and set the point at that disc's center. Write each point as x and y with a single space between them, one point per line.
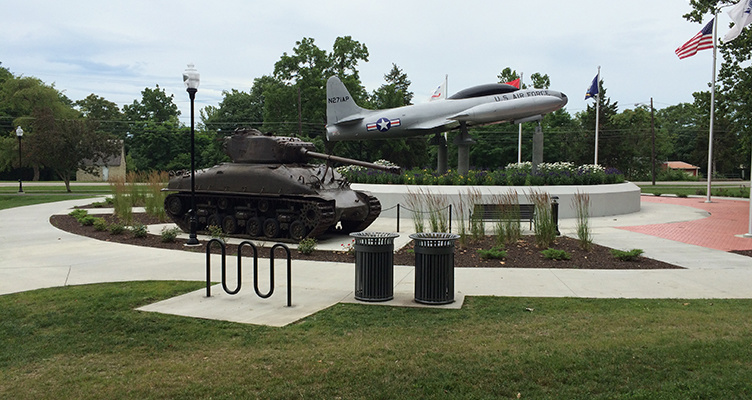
523 254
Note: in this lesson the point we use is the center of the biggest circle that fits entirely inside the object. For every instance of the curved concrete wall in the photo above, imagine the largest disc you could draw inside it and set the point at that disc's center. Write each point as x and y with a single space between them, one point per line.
622 198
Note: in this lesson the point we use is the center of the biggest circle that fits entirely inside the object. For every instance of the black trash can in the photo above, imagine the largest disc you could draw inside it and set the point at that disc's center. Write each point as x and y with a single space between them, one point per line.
434 267
374 265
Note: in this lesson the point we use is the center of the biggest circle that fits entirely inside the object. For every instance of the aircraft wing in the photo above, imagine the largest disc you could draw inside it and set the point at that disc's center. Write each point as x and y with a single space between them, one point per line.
432 124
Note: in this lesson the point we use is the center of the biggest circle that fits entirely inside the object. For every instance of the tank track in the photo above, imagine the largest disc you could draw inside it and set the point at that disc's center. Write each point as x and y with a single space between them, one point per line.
277 218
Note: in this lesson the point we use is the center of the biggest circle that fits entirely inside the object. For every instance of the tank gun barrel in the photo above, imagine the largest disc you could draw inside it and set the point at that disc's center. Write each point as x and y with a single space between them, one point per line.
328 157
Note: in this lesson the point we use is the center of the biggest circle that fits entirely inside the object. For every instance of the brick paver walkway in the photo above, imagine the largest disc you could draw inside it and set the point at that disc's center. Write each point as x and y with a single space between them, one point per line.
728 218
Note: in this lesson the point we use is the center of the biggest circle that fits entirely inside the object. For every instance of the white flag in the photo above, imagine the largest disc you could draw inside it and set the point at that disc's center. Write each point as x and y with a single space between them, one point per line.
741 14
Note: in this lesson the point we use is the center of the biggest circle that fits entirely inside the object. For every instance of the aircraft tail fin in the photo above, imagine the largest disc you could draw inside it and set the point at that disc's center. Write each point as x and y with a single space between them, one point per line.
340 106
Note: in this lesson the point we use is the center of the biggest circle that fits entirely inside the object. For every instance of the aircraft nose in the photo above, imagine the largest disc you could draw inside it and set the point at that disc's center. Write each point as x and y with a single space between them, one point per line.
564 100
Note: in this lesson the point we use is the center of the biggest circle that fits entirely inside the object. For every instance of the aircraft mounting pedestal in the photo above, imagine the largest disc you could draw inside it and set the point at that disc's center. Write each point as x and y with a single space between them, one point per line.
441 153
463 142
537 147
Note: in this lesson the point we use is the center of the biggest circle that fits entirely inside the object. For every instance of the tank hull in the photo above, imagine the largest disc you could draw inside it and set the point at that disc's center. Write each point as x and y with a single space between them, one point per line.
271 201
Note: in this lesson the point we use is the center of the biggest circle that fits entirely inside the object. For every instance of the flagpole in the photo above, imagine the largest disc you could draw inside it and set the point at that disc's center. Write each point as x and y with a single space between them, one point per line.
597 112
749 232
712 107
519 137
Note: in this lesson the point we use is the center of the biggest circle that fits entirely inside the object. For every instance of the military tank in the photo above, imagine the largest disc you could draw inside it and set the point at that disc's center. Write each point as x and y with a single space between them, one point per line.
271 191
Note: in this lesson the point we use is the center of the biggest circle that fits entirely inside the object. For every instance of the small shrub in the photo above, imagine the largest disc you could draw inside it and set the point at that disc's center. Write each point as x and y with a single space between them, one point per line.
496 253
554 254
100 224
307 245
87 220
139 231
631 255
682 195
216 232
170 234
78 214
116 228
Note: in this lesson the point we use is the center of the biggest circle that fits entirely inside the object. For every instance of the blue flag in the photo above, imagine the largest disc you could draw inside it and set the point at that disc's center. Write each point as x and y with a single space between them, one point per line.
593 91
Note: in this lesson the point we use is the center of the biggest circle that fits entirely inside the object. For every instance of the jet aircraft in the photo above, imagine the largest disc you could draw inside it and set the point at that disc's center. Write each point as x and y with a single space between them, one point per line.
478 105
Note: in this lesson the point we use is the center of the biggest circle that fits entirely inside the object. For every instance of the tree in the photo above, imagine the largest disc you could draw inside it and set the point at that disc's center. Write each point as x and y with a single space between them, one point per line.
733 137
540 81
607 135
66 146
105 113
20 97
401 85
154 106
508 75
153 130
297 96
236 110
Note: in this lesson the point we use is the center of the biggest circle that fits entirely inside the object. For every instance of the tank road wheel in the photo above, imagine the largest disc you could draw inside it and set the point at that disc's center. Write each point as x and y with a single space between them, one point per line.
254 226
271 228
214 219
222 203
229 224
263 205
298 230
174 205
310 215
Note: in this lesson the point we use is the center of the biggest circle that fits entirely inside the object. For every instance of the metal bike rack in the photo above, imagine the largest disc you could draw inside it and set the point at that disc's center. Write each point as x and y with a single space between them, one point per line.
266 295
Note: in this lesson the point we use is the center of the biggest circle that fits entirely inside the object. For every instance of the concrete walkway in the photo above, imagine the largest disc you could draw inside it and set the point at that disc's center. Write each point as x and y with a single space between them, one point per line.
36 255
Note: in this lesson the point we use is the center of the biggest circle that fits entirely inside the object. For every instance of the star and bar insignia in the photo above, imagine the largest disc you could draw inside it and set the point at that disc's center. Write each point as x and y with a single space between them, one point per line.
383 124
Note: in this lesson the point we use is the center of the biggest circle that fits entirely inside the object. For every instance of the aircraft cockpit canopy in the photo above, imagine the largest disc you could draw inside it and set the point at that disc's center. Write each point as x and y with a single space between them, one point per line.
484 90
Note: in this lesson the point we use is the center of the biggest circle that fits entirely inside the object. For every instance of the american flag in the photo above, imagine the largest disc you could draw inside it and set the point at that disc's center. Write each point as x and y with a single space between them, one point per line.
701 41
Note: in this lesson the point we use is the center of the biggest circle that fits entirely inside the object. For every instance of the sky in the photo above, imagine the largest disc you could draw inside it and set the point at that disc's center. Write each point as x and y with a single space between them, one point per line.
116 48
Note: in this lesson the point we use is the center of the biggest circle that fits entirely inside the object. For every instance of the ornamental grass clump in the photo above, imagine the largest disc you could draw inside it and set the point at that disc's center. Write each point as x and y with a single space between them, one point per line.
459 211
121 201
477 226
414 202
544 225
582 209
438 211
507 228
154 200
136 190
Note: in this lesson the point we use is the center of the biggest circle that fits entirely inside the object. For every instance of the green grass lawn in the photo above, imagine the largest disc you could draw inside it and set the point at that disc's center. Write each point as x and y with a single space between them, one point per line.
88 342
19 200
28 189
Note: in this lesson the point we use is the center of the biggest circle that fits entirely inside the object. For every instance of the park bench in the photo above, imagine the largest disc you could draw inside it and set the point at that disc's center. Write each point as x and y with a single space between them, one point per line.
501 212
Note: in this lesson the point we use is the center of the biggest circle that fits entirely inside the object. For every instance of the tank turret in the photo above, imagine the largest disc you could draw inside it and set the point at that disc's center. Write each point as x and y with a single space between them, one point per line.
252 146
271 190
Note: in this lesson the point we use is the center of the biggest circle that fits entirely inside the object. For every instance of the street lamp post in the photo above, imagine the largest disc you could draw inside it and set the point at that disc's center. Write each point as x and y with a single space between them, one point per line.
19 135
191 81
